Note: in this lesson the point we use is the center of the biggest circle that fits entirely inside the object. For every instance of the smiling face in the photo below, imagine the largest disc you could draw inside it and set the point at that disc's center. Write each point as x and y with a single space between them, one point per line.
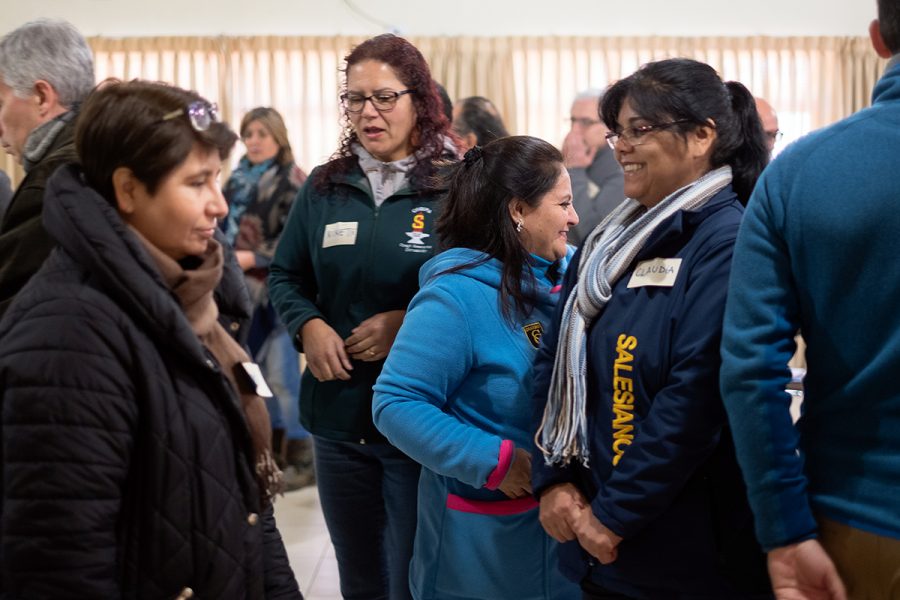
663 161
385 135
181 217
546 226
260 144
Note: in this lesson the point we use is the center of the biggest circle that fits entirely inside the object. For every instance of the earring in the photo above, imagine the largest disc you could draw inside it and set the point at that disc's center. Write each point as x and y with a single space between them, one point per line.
519 226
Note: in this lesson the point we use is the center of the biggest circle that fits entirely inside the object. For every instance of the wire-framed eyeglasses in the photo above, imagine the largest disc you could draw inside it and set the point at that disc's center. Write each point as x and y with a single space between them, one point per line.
200 114
383 101
635 136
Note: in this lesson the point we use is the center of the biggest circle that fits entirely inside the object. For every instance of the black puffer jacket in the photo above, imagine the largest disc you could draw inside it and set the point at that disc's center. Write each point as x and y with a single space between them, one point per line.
125 452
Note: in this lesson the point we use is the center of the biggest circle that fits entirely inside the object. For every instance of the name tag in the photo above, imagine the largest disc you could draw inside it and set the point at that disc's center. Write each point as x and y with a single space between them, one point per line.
660 272
340 234
257 381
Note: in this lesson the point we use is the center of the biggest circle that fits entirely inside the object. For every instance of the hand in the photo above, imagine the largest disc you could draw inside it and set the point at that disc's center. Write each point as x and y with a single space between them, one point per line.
595 537
246 259
324 349
803 571
517 483
372 339
576 152
560 506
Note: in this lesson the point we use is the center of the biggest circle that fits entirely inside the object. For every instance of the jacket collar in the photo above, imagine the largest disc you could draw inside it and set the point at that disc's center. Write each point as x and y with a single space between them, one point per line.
675 226
356 178
90 230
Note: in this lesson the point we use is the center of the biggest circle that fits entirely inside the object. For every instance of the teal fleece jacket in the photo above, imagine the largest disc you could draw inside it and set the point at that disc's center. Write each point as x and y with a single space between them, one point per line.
342 259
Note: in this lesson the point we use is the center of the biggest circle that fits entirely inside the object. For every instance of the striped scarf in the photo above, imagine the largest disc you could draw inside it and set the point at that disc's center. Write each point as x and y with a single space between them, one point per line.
607 254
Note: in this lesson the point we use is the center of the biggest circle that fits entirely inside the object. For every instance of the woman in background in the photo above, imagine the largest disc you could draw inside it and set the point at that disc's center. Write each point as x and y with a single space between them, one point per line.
455 392
260 193
343 274
636 460
136 454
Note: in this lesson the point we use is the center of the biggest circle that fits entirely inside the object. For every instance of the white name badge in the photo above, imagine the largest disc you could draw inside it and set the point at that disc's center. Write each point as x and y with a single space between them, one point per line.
340 234
660 272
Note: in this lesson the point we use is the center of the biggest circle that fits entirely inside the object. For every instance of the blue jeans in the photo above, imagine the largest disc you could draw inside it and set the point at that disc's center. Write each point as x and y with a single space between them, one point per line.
280 365
368 494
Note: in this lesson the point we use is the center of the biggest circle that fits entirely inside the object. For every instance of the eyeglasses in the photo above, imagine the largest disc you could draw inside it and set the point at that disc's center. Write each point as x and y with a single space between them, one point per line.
774 135
382 101
583 122
201 114
634 136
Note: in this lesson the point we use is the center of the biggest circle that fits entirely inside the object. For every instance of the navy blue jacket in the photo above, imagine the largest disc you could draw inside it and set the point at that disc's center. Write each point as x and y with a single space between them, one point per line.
676 494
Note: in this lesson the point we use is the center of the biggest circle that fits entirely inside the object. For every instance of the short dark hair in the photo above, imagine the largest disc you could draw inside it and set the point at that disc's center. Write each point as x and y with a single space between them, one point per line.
681 89
446 102
889 23
478 115
121 125
432 126
475 212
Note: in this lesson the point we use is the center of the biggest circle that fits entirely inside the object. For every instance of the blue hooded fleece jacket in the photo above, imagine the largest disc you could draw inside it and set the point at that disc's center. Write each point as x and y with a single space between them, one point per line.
455 395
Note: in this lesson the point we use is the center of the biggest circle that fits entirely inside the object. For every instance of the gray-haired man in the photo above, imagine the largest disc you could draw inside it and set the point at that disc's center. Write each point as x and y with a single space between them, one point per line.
46 70
597 178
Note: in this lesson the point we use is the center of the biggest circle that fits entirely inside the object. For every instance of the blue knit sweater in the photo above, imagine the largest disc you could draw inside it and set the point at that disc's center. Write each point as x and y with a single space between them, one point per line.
817 251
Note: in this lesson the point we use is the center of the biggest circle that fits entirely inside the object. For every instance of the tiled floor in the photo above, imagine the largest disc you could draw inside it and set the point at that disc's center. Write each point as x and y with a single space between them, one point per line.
310 551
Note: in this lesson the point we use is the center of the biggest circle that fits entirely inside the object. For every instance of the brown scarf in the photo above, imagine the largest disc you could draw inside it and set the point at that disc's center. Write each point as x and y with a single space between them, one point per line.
194 289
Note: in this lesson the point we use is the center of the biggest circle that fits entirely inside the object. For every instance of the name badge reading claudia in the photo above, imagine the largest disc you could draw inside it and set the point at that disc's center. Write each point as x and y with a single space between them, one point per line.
660 272
340 234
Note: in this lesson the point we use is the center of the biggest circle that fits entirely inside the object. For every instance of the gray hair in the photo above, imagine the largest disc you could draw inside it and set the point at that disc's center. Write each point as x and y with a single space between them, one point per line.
590 94
51 50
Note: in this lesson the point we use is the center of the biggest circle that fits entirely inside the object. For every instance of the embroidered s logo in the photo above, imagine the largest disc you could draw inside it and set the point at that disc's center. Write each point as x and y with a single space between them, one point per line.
534 331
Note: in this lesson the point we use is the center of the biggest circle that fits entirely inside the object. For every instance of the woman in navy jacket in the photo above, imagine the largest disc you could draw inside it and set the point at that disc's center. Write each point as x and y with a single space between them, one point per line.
635 465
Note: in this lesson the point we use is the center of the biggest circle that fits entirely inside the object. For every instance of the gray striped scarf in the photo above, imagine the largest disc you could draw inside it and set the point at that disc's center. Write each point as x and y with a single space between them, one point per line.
607 254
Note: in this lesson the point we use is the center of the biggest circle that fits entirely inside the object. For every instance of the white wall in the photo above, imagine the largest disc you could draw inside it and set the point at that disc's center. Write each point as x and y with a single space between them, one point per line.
124 18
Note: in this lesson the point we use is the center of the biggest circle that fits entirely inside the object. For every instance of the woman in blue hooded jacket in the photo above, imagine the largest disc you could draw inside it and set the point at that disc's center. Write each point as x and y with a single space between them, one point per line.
454 393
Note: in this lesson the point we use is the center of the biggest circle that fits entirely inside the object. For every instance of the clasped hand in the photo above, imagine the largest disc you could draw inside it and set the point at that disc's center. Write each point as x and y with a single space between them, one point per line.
328 356
566 515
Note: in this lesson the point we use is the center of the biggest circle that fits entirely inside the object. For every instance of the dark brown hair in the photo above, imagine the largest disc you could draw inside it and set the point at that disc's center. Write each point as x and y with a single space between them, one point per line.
432 125
121 125
476 215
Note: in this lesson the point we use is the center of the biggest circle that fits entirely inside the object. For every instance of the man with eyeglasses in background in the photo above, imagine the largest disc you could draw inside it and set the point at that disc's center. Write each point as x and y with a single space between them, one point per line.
769 119
597 178
46 70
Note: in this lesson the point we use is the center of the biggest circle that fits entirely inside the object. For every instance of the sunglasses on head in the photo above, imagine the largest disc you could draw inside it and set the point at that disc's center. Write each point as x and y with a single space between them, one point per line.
201 114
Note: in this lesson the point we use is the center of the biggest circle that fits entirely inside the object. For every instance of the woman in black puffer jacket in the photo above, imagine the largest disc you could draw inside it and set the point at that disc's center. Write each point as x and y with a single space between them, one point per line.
136 460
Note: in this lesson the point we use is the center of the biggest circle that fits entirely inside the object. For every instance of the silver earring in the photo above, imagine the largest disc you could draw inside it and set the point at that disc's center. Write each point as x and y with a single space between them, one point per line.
519 226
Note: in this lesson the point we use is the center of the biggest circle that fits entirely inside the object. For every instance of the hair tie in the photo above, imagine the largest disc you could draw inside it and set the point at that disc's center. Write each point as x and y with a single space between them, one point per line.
473 155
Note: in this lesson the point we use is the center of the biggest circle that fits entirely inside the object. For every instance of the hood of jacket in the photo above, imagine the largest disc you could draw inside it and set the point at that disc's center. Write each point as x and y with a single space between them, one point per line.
90 231
489 271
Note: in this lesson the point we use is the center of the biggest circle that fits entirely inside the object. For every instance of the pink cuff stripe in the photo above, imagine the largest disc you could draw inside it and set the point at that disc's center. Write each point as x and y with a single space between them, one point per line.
483 507
556 289
506 455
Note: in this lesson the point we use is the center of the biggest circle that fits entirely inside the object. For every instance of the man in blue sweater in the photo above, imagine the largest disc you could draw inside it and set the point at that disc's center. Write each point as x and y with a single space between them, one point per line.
817 251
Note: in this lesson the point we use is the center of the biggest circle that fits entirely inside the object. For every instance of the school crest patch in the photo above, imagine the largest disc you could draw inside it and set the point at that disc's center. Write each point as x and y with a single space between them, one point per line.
534 331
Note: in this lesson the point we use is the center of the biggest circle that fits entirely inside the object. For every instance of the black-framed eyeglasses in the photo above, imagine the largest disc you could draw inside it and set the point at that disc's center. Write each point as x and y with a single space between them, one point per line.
383 101
200 114
635 136
774 135
583 122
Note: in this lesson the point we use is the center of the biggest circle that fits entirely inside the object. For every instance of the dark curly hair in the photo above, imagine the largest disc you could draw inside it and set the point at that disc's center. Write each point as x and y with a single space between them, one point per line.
432 126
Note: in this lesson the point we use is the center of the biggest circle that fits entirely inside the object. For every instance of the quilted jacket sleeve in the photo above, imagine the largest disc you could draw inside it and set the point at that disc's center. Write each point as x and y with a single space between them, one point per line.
280 581
68 418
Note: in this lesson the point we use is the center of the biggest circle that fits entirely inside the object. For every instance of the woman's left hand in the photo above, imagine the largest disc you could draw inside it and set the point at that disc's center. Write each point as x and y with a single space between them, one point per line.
372 339
595 537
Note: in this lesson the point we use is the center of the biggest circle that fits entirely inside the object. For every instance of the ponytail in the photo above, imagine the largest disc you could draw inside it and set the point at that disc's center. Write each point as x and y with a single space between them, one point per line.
748 154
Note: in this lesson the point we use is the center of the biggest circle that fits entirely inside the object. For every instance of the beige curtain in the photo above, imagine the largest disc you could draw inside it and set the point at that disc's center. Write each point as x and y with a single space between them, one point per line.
811 81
